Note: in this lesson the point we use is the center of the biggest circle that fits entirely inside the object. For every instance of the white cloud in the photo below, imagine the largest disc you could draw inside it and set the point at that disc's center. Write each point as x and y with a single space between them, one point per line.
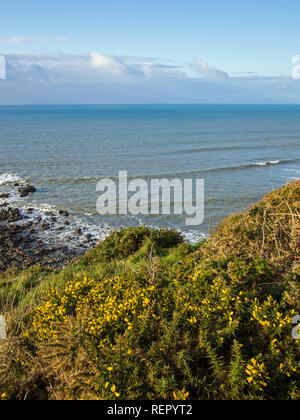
209 71
107 63
88 67
132 67
100 78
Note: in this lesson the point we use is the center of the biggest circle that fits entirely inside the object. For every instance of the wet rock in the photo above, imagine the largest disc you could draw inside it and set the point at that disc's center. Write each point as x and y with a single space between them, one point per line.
66 223
45 226
50 214
27 240
4 196
21 245
78 231
25 191
63 213
4 204
30 211
10 215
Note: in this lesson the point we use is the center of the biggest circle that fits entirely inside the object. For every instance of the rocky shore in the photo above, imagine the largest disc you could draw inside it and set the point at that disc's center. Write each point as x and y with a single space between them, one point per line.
22 242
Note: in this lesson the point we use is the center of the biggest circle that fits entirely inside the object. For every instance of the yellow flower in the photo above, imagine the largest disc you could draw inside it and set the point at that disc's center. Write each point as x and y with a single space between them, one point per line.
113 388
263 384
117 394
110 369
106 385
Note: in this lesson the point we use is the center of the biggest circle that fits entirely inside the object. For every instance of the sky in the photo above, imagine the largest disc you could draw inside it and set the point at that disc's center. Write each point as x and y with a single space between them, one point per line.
167 51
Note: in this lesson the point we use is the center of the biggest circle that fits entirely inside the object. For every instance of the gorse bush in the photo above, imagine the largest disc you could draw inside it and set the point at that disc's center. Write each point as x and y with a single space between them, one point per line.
126 242
145 316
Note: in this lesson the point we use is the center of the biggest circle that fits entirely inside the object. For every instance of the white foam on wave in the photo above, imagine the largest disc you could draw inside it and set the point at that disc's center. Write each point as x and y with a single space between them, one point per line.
59 234
271 162
193 237
7 179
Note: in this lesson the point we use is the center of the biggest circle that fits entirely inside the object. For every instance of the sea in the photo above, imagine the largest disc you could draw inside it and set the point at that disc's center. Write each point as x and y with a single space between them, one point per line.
241 152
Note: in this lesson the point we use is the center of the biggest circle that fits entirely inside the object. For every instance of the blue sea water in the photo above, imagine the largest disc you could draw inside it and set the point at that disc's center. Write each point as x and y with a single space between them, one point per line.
241 151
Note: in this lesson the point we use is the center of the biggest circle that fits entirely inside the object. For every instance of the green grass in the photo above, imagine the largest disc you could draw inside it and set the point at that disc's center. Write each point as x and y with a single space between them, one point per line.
145 316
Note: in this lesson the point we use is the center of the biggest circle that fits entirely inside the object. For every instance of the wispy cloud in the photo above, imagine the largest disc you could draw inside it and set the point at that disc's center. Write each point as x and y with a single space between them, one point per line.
28 39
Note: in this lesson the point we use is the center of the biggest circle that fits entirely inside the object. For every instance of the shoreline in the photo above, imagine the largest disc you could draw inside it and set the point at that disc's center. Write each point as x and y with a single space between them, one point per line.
52 238
22 244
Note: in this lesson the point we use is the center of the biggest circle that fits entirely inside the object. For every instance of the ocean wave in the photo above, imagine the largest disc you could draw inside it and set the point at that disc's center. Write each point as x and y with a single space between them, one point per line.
271 162
217 169
95 179
210 149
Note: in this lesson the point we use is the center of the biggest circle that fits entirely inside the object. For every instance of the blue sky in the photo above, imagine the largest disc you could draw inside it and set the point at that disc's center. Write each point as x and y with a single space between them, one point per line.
150 51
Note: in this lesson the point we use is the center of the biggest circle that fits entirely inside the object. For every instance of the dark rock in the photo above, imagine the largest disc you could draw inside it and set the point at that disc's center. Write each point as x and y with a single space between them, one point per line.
88 238
64 213
78 231
66 223
50 214
4 196
25 191
45 226
10 215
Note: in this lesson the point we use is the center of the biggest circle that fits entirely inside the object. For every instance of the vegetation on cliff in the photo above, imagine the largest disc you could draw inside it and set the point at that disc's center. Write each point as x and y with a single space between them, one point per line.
145 316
